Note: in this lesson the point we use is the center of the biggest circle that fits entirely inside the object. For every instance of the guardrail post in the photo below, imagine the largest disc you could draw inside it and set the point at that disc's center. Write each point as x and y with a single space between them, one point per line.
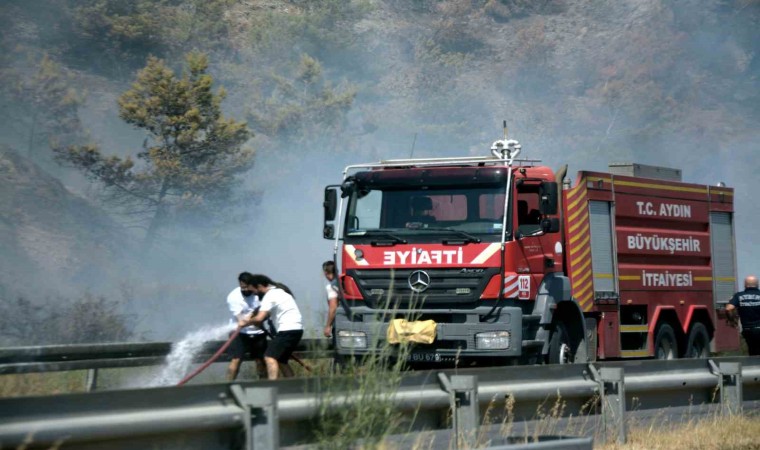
730 377
91 382
260 417
613 403
266 421
465 409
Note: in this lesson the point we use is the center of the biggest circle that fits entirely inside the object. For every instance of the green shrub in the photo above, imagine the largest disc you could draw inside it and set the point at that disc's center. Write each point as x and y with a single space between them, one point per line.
504 10
89 319
371 381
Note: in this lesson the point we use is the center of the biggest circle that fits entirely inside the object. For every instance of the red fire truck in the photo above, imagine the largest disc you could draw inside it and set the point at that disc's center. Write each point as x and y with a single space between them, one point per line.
512 263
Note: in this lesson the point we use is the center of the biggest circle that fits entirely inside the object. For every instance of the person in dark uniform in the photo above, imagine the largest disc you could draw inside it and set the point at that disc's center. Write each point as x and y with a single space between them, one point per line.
747 304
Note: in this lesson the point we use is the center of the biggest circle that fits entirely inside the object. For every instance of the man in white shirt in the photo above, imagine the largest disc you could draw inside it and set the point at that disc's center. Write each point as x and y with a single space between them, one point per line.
328 268
242 301
282 308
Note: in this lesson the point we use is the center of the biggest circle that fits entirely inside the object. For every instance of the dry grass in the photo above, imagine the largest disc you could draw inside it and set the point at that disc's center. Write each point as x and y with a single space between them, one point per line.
75 381
49 383
53 383
315 367
734 433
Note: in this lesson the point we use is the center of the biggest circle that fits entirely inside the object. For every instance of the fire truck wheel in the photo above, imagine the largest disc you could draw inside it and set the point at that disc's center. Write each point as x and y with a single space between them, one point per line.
560 349
698 345
665 344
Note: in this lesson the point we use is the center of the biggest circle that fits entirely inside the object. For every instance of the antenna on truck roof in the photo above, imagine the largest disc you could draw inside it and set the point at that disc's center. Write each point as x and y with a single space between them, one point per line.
506 150
414 141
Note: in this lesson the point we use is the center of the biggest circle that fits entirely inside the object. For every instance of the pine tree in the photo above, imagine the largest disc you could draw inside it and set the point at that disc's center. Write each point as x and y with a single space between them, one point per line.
191 158
303 105
51 107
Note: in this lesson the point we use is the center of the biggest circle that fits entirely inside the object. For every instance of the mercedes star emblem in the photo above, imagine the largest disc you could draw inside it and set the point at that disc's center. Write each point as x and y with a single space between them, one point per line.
419 281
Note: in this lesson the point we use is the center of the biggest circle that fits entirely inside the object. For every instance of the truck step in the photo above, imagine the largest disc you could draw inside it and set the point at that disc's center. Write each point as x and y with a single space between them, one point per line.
634 328
532 343
634 353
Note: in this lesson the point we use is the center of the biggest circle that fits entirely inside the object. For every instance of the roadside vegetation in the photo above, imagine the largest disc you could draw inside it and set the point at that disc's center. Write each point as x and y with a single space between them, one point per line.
26 322
716 433
49 383
372 417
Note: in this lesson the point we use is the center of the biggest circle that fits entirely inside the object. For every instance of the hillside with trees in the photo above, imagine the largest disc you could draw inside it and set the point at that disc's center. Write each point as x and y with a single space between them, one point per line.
192 124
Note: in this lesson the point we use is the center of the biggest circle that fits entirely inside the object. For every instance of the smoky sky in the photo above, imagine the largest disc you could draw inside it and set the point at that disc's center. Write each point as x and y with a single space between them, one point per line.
667 83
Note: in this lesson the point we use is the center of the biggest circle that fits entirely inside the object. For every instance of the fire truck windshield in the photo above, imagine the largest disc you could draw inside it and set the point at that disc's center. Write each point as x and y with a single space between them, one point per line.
460 212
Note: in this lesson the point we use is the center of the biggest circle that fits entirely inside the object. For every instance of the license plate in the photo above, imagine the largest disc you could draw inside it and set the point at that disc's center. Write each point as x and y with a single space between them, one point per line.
424 357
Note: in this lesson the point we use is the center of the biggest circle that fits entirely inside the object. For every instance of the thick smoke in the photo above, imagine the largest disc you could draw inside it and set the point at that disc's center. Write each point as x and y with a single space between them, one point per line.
670 83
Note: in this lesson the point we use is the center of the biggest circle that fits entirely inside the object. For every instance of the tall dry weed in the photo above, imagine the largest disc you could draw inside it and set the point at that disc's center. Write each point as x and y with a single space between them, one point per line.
714 433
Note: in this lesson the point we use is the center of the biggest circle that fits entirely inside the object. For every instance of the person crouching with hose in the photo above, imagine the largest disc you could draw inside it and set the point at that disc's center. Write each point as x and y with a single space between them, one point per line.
279 305
242 302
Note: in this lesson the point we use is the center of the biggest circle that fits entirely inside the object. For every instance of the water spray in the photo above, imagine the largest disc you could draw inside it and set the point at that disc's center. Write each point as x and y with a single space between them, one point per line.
221 350
212 359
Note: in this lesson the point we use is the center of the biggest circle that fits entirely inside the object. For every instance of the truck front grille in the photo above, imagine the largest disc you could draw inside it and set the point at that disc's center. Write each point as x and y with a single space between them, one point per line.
442 288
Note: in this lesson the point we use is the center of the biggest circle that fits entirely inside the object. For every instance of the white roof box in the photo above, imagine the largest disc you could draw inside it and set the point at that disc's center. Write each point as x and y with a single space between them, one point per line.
644 171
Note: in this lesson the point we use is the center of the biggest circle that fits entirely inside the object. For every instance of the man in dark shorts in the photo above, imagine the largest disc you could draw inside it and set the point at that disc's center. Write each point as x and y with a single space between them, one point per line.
281 307
242 301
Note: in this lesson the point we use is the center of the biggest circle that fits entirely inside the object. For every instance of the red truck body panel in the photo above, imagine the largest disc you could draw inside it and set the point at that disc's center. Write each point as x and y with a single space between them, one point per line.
661 254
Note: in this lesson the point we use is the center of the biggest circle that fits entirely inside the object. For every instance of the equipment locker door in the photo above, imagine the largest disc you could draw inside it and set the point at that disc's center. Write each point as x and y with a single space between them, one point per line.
604 276
723 257
724 277
602 254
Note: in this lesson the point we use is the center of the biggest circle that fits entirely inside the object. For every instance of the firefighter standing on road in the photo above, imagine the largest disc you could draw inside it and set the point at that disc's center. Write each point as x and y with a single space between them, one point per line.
278 304
328 268
747 304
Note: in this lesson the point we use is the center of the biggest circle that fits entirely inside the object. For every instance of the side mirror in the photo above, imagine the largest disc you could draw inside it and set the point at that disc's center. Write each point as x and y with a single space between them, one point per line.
331 203
328 232
550 225
549 198
331 209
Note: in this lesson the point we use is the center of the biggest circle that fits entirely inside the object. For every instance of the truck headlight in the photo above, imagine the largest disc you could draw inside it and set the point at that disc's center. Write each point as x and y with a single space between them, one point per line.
492 340
352 339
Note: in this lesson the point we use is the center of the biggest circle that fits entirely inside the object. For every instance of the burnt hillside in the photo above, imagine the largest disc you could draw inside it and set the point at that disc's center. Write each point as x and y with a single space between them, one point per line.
49 236
321 84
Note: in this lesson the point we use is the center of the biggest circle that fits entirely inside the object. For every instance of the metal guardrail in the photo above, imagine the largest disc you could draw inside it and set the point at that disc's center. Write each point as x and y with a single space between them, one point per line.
52 358
92 357
274 413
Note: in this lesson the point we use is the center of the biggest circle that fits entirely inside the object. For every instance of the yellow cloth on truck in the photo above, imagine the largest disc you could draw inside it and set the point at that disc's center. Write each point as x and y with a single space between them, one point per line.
401 330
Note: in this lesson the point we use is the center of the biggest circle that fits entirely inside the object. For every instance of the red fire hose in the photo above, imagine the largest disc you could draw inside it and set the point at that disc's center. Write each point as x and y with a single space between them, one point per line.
219 353
210 360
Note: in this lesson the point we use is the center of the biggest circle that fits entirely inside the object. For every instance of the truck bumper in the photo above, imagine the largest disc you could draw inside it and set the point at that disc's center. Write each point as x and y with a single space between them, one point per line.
458 339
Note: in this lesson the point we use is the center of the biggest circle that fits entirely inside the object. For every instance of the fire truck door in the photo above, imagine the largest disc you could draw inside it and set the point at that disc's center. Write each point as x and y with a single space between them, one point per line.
528 226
